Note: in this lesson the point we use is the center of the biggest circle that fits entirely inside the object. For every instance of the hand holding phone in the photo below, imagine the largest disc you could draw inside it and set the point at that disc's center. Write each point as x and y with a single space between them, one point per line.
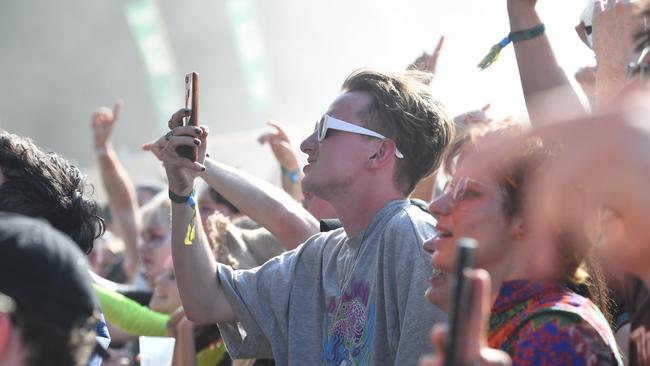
192 103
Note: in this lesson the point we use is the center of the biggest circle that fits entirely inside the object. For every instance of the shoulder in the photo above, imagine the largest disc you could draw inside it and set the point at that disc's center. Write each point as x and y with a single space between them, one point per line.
559 337
411 221
564 332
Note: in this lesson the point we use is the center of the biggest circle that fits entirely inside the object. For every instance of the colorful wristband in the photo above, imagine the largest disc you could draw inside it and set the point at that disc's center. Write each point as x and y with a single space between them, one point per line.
518 36
183 199
294 175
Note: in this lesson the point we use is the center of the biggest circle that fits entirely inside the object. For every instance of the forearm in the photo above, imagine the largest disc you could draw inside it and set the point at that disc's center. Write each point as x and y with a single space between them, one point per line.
122 202
547 91
130 316
291 183
269 206
201 293
186 349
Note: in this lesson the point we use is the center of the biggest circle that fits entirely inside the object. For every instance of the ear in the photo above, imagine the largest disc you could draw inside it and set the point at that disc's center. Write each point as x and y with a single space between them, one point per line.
383 153
5 332
517 225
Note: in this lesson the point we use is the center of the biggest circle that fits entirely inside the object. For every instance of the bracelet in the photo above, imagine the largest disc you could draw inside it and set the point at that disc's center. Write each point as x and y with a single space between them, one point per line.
518 36
101 151
182 199
294 175
526 34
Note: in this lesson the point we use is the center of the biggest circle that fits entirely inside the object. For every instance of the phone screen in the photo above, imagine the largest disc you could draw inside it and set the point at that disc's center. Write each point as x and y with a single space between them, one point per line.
191 102
188 96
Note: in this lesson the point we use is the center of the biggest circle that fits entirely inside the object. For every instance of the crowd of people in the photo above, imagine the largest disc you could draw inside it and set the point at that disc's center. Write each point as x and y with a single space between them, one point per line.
352 260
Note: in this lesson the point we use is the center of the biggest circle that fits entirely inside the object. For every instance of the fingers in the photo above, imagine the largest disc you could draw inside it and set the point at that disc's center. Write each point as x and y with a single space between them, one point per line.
177 118
181 162
441 42
485 107
438 335
429 360
280 131
203 147
598 9
176 141
147 146
117 107
265 137
191 131
101 115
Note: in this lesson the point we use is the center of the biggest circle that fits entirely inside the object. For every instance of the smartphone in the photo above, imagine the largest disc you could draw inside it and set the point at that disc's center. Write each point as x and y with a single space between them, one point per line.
584 28
459 301
191 102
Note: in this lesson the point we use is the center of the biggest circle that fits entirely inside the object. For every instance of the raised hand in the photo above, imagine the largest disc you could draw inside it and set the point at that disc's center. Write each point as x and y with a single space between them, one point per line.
428 62
281 145
474 117
102 122
181 171
613 26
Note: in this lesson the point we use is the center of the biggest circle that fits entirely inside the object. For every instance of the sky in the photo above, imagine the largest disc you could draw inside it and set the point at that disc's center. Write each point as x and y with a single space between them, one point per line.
257 60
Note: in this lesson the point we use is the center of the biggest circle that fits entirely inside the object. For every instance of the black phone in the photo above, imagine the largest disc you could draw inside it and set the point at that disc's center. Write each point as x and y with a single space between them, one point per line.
460 299
191 102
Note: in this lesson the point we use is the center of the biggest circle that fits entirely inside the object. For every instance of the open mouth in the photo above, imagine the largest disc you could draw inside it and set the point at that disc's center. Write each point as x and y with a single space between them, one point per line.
444 233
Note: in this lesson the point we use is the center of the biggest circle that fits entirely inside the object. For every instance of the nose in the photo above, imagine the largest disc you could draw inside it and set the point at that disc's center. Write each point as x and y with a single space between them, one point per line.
440 206
309 144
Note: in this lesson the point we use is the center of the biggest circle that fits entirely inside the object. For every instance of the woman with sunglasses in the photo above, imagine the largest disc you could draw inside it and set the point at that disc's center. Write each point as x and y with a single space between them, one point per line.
536 317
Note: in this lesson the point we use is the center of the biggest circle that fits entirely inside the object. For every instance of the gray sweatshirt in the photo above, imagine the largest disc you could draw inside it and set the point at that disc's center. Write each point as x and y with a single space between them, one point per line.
336 300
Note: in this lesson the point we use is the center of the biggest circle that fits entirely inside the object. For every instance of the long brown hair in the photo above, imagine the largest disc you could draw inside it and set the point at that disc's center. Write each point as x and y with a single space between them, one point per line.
581 270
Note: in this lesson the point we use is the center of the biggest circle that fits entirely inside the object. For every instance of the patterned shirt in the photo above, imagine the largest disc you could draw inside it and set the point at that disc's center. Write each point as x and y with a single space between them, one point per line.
545 323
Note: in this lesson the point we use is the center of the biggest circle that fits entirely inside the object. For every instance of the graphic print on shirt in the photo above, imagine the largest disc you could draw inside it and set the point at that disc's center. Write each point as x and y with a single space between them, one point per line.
348 327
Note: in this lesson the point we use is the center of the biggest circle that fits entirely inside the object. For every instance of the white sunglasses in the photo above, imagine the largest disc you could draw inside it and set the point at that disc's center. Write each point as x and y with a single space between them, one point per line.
327 122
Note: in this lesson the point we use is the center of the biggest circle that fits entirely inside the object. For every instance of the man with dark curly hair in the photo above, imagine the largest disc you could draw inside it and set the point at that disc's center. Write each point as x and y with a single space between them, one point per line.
45 185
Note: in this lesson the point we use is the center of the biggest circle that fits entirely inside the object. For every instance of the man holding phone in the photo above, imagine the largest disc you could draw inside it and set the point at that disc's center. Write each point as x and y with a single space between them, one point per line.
349 296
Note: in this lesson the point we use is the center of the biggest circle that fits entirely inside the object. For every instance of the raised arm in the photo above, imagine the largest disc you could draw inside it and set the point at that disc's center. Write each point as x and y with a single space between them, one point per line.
201 292
614 25
263 202
547 91
119 188
428 61
285 154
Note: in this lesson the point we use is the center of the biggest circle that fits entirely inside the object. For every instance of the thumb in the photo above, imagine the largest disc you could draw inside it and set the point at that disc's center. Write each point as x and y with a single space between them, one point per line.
117 108
439 334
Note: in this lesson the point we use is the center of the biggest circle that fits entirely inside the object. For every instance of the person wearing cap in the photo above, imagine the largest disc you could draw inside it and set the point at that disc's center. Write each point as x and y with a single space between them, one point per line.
48 306
43 184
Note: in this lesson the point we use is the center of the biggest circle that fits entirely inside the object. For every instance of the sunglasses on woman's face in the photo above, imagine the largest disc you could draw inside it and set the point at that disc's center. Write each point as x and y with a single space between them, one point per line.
471 195
326 123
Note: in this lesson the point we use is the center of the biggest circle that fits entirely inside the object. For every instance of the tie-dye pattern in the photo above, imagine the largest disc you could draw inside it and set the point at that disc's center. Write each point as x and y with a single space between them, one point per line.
545 323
